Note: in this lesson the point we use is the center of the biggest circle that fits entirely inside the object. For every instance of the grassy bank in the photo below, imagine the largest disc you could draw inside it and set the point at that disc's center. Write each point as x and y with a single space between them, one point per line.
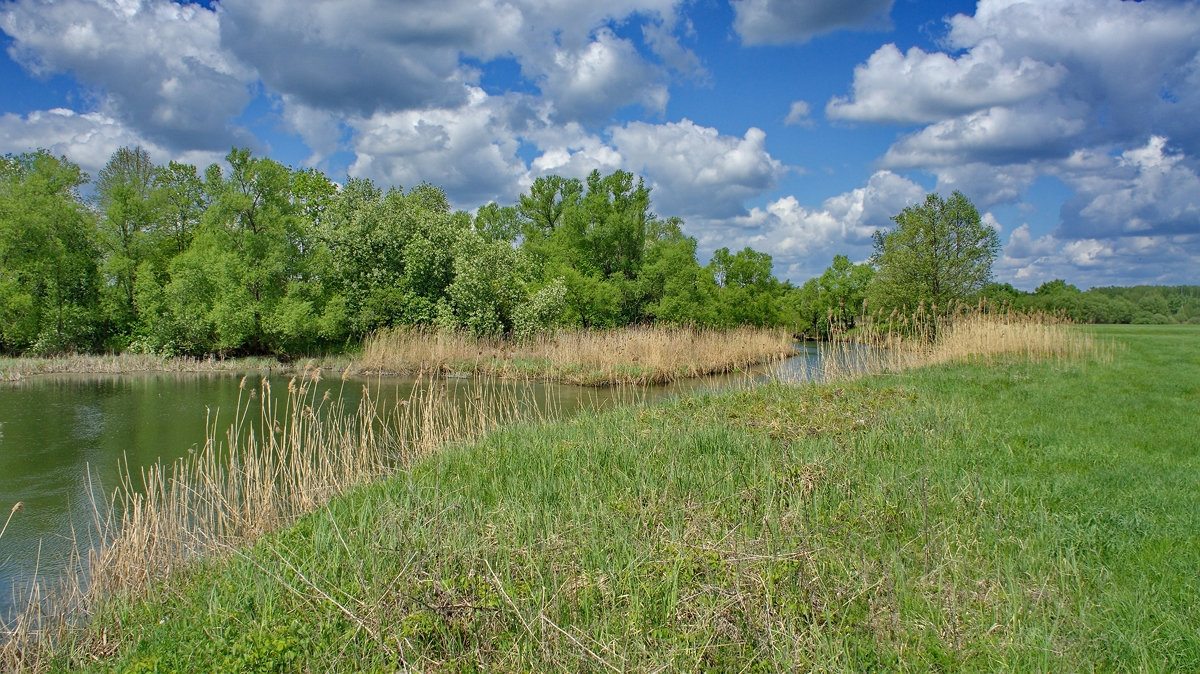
636 355
1007 515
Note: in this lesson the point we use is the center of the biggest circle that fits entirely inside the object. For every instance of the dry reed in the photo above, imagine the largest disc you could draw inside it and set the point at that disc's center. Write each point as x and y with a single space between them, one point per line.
639 355
17 369
280 457
924 338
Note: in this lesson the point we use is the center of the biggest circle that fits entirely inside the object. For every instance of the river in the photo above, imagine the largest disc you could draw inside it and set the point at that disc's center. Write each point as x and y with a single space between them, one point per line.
64 438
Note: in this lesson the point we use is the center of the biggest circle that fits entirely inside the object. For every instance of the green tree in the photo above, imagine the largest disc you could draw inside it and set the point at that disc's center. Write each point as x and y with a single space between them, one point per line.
938 253
834 300
49 276
130 210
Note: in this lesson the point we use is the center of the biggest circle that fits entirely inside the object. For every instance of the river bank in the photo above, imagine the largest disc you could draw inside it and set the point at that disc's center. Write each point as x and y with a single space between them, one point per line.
626 356
1000 515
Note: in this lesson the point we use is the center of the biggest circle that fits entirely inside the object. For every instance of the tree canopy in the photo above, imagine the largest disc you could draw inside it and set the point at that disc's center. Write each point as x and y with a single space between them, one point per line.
256 257
939 252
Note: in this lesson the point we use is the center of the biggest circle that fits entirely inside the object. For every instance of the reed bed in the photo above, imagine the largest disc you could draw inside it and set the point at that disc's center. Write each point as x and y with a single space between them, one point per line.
279 457
638 356
18 368
975 333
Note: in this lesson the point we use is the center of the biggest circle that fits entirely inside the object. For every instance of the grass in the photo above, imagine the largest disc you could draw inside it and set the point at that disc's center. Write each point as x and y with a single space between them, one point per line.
1007 514
637 356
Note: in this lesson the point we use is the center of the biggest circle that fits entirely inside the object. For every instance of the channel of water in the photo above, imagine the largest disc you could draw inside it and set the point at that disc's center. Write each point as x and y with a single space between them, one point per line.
64 437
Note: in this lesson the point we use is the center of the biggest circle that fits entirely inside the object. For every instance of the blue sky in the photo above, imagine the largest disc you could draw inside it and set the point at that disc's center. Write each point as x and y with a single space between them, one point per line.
797 128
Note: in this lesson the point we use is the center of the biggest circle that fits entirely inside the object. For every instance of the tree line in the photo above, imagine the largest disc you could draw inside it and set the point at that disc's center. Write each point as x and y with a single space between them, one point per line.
260 258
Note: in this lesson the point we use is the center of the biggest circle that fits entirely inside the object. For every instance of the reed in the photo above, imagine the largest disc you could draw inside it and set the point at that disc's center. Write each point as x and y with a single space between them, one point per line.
279 457
898 342
636 355
14 369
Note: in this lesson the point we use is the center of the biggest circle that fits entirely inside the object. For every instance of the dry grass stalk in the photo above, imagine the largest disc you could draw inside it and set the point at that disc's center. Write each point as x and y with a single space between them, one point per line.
17 369
280 458
641 355
928 338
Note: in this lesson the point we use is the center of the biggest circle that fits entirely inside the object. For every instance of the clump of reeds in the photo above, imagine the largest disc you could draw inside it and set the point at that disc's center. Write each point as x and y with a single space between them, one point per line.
16 369
927 336
280 456
635 355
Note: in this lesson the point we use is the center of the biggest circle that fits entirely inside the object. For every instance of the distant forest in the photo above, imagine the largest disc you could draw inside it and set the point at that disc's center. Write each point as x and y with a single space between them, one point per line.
1137 304
261 258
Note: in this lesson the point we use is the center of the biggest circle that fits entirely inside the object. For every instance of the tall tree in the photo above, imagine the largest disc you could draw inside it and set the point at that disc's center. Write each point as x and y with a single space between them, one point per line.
49 279
130 211
939 252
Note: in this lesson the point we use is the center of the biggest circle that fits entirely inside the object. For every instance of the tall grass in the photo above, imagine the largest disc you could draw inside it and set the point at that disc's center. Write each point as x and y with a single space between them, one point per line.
896 342
279 457
1007 516
639 355
18 368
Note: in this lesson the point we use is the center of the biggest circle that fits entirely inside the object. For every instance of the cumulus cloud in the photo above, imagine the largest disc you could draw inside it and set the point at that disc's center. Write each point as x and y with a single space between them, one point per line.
470 151
697 170
570 151
787 21
155 65
1125 59
985 184
1069 89
922 87
606 74
803 240
364 56
1148 190
88 139
997 135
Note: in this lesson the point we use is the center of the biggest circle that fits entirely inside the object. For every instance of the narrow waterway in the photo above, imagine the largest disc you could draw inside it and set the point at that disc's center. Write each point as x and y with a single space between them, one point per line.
65 439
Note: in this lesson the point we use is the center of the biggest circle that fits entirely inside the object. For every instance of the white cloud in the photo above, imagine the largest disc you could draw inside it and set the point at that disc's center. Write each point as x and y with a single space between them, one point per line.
570 151
1147 190
922 87
997 135
984 184
606 74
88 139
696 170
803 240
798 114
470 151
154 64
1128 63
788 21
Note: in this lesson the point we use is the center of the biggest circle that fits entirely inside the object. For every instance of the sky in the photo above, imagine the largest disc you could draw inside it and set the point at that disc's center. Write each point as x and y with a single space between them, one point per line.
796 127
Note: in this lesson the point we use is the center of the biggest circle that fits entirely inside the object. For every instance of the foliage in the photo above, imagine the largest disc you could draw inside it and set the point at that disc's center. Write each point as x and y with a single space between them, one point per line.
49 259
939 253
834 300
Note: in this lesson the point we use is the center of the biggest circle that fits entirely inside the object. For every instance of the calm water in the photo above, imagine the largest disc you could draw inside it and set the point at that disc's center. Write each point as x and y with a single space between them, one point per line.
63 435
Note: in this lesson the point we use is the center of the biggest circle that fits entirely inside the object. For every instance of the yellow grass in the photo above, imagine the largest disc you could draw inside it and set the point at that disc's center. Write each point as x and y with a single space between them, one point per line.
18 368
278 458
641 355
922 340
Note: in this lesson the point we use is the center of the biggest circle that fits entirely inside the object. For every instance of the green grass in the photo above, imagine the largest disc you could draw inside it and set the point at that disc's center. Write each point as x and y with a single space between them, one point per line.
1006 516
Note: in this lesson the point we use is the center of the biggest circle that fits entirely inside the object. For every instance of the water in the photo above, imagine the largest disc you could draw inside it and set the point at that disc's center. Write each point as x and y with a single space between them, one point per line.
64 438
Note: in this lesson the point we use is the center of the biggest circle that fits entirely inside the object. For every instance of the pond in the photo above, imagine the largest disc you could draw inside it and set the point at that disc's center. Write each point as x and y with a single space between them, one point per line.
65 438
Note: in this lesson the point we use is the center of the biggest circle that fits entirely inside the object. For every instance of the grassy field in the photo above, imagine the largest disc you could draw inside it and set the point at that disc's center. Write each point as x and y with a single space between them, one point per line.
1006 515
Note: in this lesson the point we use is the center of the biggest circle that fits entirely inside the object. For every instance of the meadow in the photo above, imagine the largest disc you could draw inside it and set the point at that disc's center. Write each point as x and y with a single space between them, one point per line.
1035 509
